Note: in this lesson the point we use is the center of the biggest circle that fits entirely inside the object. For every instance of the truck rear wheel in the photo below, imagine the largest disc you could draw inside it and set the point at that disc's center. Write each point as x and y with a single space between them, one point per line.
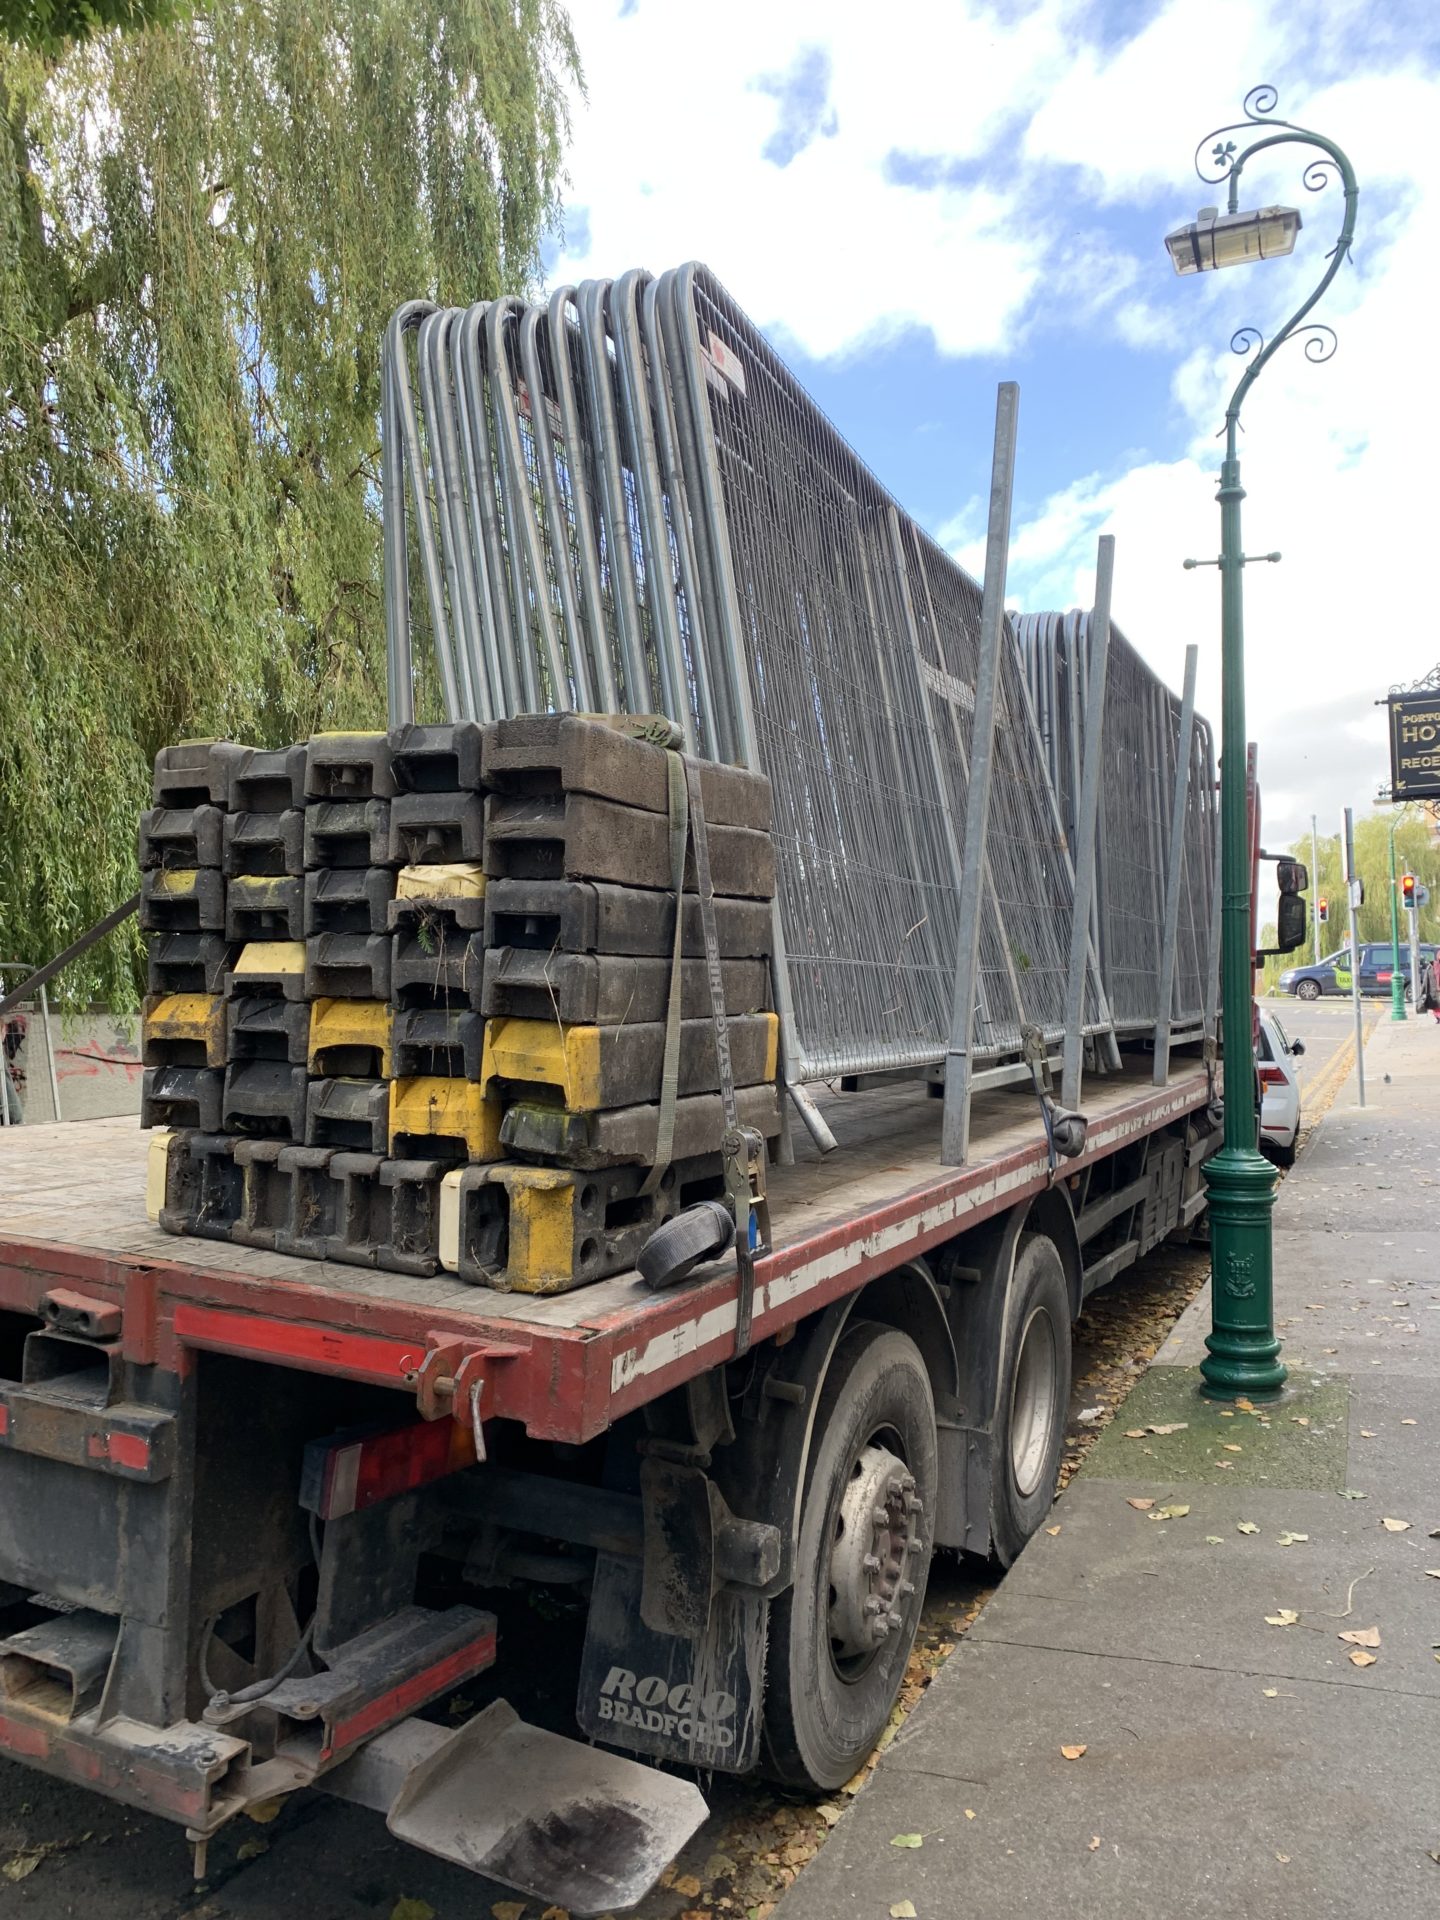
841 1634
1034 1397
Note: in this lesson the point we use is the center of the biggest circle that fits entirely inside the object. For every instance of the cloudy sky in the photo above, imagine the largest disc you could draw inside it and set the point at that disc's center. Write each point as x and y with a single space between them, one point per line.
917 201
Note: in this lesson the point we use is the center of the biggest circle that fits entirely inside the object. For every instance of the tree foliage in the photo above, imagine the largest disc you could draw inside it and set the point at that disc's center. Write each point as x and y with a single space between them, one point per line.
203 229
51 24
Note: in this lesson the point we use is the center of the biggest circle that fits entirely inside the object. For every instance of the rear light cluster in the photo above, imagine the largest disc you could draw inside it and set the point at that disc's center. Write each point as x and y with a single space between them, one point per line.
1272 1076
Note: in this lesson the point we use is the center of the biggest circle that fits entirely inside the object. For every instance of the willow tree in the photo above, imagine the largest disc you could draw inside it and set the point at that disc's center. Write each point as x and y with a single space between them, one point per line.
203 228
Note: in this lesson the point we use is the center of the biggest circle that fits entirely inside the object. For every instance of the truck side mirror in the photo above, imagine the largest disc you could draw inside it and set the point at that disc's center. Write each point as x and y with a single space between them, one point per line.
1291 923
1291 876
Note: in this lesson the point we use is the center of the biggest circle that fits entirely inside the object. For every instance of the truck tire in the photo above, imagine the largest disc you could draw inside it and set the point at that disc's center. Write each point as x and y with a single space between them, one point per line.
841 1633
1034 1397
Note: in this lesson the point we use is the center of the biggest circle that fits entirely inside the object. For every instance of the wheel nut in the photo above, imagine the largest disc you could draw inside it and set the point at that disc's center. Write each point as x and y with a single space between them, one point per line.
871 1563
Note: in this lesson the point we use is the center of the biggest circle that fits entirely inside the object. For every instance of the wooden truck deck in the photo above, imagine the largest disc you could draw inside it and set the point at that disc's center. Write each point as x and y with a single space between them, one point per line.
72 1215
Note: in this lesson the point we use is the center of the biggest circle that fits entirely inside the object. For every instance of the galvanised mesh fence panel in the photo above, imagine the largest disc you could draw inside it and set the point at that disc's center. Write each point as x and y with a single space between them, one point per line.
1140 748
622 500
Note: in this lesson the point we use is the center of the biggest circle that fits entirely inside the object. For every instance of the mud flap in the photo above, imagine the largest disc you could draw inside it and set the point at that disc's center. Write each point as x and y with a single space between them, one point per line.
695 1702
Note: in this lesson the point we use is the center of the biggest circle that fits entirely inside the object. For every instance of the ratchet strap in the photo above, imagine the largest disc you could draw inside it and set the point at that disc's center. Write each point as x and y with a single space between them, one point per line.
742 1148
1064 1132
679 801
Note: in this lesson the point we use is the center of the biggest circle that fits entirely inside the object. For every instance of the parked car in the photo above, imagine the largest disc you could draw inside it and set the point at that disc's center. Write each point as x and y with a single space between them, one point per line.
1309 983
1275 1057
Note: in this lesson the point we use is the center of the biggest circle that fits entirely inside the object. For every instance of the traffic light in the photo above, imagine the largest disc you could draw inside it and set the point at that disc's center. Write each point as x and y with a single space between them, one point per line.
1407 890
1322 910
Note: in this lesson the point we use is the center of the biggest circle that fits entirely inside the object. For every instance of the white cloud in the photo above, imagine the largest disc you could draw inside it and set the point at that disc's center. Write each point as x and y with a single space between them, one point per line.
1036 138
832 250
1336 462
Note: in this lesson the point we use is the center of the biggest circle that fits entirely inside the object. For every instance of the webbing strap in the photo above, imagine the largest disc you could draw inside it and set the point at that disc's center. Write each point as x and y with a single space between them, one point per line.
712 945
679 799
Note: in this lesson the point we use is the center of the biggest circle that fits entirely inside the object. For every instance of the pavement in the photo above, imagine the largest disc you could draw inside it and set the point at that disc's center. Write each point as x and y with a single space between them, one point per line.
1228 1755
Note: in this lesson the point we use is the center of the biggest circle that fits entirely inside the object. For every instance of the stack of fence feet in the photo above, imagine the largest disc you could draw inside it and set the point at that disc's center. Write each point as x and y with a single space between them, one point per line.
410 995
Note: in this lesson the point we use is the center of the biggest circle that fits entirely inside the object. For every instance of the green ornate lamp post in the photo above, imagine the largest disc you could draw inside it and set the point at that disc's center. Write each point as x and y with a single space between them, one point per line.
1244 1354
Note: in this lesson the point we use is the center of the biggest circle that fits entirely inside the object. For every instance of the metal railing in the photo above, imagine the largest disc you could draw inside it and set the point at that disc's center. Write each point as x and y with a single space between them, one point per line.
9 1116
36 980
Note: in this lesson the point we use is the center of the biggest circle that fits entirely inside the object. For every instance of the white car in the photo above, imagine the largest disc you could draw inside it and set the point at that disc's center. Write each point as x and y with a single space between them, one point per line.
1275 1058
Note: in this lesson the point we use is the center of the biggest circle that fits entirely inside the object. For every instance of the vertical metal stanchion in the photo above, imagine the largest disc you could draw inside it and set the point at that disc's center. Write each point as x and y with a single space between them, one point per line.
1353 890
1086 817
1165 985
50 1050
955 1132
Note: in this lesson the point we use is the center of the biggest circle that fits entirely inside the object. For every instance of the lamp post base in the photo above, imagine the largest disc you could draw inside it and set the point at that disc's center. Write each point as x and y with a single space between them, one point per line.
1243 1353
1397 997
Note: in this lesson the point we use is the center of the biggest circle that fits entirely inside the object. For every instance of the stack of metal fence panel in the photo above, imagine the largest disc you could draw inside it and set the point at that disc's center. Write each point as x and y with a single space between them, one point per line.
412 995
1141 748
624 501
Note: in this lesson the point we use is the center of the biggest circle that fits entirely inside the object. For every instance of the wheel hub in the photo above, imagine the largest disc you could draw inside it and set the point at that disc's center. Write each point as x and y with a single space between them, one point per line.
877 1534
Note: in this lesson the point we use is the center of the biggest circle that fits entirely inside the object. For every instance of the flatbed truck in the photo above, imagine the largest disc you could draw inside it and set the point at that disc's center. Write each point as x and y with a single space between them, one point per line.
250 1506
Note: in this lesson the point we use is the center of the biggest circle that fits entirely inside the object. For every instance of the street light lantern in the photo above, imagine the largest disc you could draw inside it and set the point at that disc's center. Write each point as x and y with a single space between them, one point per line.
1215 239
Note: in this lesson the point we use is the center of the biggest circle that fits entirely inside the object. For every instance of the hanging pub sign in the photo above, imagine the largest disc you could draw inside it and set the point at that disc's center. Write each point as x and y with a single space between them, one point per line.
1415 745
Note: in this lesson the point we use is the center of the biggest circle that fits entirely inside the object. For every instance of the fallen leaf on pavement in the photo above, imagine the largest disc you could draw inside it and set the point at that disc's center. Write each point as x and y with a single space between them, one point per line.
251 1849
1349 1493
264 1811
1232 1446
1170 1512
687 1885
1246 1526
1286 1617
969 1813
1170 1426
508 1910
1300 1419
1366 1434
21 1865
829 1814
1432 1573
1361 1637
1245 1406
1407 1423
908 1840
902 1910
1290 1539
1283 1858
1396 1526
1135 1433
1271 1693
1359 1658
1073 1753
1140 1506
413 1910
1094 1842
556 1913
1213 1540
1052 1531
